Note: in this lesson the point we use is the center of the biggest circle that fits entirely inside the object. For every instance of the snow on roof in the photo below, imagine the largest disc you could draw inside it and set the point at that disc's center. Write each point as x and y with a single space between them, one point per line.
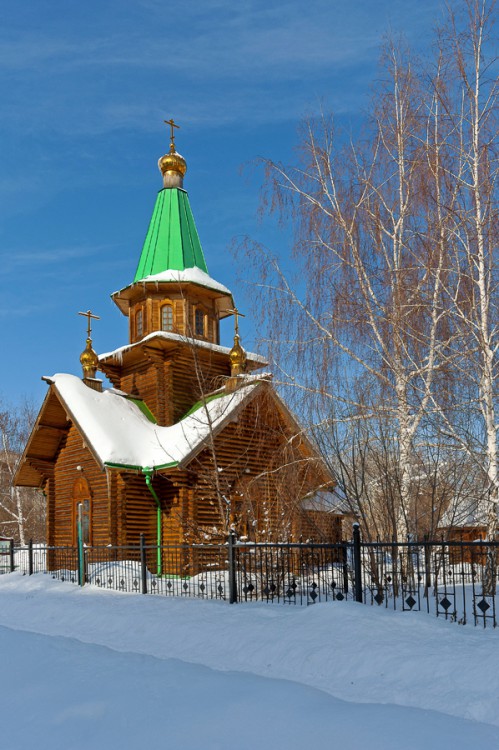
324 501
193 275
185 340
248 378
120 434
465 512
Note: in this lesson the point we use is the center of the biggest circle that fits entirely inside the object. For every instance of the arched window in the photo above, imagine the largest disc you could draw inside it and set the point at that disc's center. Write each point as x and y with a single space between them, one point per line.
199 322
139 326
167 318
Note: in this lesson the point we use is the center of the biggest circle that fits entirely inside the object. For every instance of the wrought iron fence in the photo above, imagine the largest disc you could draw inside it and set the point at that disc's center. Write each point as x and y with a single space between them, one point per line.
291 573
233 571
454 580
449 579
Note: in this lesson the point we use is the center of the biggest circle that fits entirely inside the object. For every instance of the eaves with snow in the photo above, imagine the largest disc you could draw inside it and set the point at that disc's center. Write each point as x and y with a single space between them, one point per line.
182 278
254 360
121 433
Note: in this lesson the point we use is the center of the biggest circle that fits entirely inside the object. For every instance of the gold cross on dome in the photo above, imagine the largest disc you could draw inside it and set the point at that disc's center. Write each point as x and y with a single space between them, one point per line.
235 312
89 315
172 125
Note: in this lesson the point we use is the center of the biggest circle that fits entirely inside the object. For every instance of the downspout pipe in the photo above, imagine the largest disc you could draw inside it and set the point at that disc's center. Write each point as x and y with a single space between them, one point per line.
148 473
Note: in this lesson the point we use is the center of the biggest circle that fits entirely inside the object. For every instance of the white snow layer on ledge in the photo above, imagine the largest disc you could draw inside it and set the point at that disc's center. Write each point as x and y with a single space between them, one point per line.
190 275
183 339
119 433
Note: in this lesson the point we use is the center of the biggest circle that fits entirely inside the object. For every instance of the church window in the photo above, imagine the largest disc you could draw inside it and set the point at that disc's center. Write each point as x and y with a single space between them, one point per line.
85 521
139 325
167 318
82 511
199 322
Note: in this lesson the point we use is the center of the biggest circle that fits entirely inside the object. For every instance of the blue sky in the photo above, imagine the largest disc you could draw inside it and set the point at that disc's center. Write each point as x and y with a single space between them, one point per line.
85 88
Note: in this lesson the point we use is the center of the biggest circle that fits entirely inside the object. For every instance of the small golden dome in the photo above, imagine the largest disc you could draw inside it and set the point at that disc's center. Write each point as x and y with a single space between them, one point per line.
172 162
89 360
237 358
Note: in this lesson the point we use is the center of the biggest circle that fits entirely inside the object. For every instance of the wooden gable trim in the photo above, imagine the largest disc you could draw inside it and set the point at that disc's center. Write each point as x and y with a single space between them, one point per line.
87 443
45 440
44 467
39 454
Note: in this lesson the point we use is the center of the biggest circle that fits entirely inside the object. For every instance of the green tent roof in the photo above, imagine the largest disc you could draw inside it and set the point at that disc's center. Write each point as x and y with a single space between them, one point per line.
172 241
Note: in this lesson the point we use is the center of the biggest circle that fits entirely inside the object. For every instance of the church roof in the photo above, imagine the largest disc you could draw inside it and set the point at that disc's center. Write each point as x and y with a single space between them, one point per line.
465 512
187 276
121 433
325 501
172 242
181 279
256 361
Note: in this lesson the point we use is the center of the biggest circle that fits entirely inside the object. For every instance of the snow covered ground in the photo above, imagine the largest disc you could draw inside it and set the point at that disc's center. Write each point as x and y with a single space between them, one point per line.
92 668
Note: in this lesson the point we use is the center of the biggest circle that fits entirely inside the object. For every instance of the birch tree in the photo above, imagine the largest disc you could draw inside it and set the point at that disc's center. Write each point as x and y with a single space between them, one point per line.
469 102
395 242
22 510
368 300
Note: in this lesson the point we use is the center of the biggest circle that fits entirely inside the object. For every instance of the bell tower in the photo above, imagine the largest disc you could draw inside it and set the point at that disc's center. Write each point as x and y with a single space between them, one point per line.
172 290
174 309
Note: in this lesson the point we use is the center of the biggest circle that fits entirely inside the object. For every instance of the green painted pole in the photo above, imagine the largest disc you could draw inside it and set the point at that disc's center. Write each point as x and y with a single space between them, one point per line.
148 477
158 539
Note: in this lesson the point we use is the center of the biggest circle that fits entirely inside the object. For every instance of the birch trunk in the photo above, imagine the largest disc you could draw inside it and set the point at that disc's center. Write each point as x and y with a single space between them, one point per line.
19 515
485 333
478 174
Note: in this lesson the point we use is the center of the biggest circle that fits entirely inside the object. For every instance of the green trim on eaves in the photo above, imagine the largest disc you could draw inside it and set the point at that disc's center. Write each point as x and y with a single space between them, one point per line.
131 467
212 397
143 408
172 241
199 404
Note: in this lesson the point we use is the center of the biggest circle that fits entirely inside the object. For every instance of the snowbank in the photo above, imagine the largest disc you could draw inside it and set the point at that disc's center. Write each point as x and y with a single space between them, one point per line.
350 651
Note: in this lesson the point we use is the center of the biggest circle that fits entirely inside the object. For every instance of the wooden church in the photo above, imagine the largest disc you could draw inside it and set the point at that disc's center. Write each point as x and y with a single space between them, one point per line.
190 442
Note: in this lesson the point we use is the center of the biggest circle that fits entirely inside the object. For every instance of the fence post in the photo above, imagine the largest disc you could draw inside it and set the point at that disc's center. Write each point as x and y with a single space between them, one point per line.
11 555
357 563
344 550
232 569
143 564
30 557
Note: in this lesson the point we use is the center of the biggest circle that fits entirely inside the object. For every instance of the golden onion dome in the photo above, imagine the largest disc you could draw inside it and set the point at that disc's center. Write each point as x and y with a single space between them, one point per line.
237 357
172 163
89 360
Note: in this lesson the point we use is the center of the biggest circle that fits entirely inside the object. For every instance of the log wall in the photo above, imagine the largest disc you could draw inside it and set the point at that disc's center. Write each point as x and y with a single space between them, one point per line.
320 526
256 482
170 386
183 309
61 511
